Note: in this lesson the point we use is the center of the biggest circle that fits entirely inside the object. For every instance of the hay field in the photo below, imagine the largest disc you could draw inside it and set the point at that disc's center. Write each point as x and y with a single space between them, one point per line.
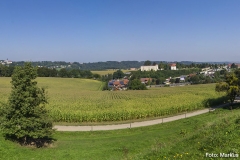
110 71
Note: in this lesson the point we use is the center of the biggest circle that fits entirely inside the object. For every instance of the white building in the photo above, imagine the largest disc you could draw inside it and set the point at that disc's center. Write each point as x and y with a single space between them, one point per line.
149 68
6 62
173 66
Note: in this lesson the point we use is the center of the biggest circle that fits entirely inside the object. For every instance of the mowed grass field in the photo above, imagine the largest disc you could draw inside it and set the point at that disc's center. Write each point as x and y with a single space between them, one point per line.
74 100
188 139
110 71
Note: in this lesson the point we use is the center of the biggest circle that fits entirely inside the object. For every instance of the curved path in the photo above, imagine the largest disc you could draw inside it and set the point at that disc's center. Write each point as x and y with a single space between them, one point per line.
135 124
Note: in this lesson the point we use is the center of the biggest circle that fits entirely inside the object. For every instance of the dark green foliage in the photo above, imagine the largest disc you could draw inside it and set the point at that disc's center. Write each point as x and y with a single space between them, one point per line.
237 73
230 86
203 79
85 74
196 79
47 72
147 63
157 82
234 65
118 74
136 85
64 73
24 119
223 72
96 76
105 87
6 71
177 80
73 73
161 65
107 77
110 65
76 73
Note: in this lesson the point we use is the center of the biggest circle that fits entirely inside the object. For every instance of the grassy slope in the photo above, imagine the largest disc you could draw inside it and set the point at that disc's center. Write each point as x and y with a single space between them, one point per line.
5 88
190 137
61 84
54 85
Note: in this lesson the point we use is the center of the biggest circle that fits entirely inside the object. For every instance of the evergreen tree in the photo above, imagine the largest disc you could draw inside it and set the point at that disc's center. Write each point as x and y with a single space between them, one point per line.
24 117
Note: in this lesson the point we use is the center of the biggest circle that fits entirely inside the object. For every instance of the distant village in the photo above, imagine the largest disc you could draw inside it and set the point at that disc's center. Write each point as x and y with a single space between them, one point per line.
122 83
5 62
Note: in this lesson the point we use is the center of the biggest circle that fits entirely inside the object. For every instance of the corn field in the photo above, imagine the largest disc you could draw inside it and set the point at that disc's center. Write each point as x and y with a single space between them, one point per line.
79 100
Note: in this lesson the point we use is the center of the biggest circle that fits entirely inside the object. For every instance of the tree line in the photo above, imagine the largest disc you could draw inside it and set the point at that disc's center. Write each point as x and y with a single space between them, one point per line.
119 65
7 71
183 65
161 75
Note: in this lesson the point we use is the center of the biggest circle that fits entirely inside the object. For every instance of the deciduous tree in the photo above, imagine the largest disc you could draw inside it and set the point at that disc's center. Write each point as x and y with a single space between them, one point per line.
137 85
230 86
147 63
118 74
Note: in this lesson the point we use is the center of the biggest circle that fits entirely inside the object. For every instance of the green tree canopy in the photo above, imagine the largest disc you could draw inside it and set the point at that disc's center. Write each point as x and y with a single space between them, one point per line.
118 74
147 63
64 73
137 85
161 65
24 118
234 65
230 86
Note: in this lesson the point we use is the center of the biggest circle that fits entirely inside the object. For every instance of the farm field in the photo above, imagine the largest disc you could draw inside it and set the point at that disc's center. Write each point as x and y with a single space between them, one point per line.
190 138
110 71
81 100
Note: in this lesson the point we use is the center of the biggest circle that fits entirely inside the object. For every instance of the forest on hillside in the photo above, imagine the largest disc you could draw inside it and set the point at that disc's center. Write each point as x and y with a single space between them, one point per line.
117 64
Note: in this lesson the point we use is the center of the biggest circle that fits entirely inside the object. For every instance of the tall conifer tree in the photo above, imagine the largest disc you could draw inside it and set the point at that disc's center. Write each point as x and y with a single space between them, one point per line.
25 118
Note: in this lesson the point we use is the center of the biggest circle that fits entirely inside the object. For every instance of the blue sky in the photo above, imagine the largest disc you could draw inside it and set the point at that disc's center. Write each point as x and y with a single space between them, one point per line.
119 30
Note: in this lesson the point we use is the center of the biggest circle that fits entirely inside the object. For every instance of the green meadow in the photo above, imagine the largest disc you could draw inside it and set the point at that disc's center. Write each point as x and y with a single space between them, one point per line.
190 138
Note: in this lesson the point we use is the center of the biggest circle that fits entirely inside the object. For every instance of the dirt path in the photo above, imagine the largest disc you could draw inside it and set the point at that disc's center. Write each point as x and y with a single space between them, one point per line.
134 124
